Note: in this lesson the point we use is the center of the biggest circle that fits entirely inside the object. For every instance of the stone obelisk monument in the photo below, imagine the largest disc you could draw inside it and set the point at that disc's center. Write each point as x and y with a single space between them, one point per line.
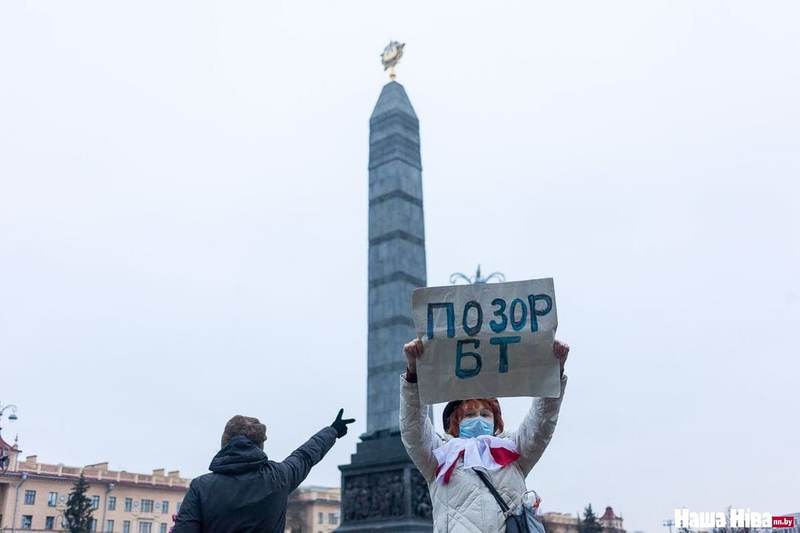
381 488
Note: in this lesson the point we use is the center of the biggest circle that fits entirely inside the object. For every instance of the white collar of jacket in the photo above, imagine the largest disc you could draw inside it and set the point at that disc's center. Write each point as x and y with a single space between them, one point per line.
486 451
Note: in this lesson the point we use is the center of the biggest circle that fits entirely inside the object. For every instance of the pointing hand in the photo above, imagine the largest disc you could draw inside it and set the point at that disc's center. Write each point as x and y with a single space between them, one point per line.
341 425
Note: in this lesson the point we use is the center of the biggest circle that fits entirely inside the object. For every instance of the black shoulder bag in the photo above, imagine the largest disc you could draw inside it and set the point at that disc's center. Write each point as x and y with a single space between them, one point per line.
515 523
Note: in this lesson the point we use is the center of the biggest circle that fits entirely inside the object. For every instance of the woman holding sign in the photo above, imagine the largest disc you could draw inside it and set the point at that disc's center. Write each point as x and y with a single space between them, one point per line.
476 461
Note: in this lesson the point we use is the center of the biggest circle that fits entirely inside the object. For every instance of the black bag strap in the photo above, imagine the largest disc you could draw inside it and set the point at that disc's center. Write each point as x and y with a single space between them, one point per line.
500 501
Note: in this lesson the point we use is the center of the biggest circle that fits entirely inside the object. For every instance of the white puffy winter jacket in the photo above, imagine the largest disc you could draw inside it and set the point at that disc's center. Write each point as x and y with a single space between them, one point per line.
465 505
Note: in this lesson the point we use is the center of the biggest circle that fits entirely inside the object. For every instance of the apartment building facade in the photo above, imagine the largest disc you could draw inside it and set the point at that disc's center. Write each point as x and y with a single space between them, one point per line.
33 496
313 509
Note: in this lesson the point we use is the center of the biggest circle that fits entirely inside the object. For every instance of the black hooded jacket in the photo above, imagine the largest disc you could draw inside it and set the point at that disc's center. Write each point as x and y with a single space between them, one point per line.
245 491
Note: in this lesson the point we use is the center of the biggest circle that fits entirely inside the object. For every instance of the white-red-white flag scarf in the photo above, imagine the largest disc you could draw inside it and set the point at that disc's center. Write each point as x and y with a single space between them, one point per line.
487 452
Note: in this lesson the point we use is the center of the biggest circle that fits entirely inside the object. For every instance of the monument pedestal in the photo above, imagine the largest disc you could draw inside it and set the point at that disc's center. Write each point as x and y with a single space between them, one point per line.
382 490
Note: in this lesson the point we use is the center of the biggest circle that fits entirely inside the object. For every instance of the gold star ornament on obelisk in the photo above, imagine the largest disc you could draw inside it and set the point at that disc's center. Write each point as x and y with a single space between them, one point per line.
391 57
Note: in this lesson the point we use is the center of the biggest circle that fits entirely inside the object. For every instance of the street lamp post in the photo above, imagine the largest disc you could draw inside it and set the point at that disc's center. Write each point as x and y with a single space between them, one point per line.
3 408
109 488
5 458
477 279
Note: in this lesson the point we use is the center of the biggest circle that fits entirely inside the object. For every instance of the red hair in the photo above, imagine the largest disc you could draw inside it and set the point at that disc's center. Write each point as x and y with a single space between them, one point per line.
491 403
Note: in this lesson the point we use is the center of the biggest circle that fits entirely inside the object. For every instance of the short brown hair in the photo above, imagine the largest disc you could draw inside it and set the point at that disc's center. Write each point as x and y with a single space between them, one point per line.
245 426
454 419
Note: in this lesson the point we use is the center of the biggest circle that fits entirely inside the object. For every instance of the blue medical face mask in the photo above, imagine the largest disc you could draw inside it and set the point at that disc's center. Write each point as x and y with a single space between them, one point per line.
474 427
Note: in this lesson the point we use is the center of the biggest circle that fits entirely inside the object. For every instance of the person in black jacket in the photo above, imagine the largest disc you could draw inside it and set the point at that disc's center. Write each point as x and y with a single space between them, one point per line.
245 491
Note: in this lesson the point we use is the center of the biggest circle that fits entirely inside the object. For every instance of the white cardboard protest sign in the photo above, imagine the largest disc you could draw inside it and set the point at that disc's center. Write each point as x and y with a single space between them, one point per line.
487 340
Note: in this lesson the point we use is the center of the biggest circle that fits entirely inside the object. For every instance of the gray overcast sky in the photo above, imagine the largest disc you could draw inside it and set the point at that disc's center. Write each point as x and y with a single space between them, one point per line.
183 218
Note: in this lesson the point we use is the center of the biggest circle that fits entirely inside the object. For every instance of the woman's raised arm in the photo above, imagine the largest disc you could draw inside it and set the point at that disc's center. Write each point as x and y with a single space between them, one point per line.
416 428
537 429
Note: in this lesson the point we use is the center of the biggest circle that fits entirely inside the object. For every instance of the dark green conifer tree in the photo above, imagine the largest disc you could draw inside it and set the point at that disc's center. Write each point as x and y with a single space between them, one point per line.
78 514
589 524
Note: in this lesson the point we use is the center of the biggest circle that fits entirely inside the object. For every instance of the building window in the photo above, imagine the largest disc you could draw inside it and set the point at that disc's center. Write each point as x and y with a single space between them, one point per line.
147 507
95 502
333 518
30 497
27 521
163 528
320 518
126 526
92 524
145 527
165 506
128 505
112 503
178 506
109 526
49 522
52 499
